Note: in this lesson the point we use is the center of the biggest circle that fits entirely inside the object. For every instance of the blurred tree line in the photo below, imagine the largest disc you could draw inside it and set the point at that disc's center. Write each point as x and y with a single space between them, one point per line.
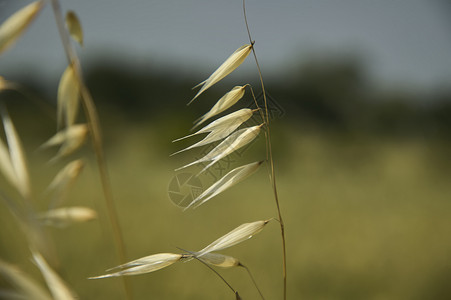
333 95
327 95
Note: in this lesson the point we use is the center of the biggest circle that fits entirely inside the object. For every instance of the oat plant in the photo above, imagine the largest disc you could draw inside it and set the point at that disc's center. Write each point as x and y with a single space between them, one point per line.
226 129
72 93
230 133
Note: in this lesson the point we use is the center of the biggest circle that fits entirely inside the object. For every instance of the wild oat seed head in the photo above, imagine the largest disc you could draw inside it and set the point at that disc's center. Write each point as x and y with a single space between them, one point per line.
227 67
25 287
144 265
227 181
237 117
224 103
74 27
235 141
15 25
16 158
236 236
57 286
67 215
220 260
68 98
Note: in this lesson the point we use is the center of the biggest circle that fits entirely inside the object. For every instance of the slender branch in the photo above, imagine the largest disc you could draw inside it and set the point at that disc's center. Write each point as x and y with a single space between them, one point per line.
272 174
96 137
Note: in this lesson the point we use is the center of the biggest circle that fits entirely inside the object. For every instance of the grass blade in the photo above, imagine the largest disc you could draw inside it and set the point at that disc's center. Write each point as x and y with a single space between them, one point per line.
227 67
16 24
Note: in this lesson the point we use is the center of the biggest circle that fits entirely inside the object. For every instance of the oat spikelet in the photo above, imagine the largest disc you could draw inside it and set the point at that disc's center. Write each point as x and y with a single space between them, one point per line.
220 260
225 69
24 286
6 166
75 132
17 157
235 141
222 129
74 26
237 235
227 181
16 24
68 98
237 117
144 265
66 176
57 287
70 140
67 215
225 102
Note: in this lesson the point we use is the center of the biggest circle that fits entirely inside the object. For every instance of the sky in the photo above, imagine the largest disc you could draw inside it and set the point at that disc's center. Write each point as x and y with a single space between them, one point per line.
400 42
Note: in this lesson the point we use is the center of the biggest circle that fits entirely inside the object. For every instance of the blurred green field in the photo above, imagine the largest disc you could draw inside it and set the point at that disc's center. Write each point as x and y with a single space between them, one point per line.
366 218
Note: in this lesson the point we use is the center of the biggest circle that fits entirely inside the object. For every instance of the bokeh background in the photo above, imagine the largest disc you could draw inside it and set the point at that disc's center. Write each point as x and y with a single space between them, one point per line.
362 137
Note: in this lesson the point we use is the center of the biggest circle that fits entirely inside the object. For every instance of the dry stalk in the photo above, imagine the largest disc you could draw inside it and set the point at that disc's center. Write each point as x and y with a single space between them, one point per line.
272 174
96 137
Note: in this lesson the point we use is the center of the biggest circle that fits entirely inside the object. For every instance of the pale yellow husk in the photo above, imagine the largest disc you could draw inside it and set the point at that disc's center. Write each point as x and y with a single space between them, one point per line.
74 27
15 25
236 117
223 129
70 140
238 235
68 98
67 215
227 181
57 286
224 103
220 260
16 158
24 286
143 265
227 67
66 176
232 143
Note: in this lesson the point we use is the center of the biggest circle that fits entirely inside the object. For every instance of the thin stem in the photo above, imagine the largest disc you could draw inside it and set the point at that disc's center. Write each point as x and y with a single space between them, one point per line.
193 255
253 280
96 137
272 174
263 120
